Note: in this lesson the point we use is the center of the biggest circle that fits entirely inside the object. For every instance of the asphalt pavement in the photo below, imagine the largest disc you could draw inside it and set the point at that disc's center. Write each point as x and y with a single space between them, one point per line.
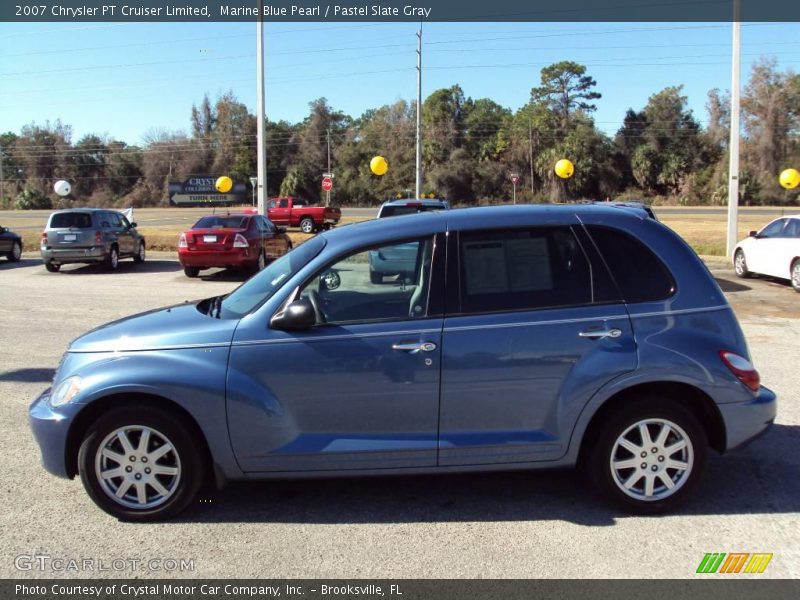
525 524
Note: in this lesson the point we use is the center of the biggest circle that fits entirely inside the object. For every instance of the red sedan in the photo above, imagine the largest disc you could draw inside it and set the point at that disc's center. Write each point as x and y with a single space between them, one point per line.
231 240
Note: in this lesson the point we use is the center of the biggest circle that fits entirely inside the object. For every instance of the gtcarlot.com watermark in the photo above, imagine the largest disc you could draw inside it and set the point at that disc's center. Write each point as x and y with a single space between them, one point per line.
47 563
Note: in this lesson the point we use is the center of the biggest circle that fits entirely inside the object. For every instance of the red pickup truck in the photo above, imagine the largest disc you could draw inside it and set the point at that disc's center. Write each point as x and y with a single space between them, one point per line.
296 212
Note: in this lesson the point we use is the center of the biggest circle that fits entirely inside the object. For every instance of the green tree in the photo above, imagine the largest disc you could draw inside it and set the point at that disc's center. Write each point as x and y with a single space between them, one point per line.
565 88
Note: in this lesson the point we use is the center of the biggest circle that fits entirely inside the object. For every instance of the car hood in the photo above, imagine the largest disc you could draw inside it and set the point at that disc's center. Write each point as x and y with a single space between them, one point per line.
171 328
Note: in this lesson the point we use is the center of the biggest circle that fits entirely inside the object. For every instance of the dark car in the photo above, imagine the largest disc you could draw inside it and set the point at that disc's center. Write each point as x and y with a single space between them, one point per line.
10 245
529 337
231 240
90 235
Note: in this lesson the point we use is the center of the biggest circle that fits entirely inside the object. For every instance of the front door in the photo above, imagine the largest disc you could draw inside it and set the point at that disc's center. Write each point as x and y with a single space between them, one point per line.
360 390
528 337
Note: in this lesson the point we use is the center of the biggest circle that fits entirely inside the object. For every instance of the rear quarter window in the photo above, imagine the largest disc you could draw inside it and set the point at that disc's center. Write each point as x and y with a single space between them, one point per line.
640 275
75 219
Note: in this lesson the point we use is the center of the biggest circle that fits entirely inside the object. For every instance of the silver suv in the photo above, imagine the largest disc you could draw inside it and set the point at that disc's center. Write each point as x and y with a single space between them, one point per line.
90 235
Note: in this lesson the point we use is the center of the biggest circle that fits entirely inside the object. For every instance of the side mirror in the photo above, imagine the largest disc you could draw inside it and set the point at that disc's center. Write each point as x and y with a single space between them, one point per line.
297 316
134 224
280 229
753 234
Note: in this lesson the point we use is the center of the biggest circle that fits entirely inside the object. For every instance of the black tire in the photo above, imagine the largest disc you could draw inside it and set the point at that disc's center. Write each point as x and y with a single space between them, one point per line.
307 225
598 455
52 267
16 252
261 263
112 260
740 264
140 255
795 274
375 277
185 458
191 271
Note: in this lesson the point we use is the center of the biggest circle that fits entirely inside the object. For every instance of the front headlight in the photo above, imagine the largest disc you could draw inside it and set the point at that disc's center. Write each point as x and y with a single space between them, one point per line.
65 391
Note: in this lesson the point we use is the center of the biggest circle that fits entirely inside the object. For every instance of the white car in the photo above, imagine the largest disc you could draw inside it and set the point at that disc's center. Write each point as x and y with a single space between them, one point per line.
775 251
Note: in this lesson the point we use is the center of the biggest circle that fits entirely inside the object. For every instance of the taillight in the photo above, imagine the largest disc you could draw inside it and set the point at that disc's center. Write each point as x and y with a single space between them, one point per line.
44 238
240 241
742 368
182 243
98 237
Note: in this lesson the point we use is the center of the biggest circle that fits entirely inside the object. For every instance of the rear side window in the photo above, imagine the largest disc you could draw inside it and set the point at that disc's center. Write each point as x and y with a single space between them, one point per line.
80 220
639 273
523 269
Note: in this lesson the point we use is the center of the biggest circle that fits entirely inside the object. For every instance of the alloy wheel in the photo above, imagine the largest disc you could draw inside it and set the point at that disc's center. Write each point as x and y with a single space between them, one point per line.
651 460
796 275
137 467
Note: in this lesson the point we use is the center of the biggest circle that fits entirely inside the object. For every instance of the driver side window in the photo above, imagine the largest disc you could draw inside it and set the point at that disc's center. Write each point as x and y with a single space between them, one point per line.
773 229
386 283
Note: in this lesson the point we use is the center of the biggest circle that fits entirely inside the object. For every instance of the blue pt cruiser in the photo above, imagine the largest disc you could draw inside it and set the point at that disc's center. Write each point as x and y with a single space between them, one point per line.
526 337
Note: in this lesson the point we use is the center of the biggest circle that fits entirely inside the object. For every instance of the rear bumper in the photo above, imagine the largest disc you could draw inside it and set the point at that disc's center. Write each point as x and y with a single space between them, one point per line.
74 255
746 421
236 257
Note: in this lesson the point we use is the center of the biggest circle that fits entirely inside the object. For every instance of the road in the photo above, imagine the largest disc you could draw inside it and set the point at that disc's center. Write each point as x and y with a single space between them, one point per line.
543 524
21 220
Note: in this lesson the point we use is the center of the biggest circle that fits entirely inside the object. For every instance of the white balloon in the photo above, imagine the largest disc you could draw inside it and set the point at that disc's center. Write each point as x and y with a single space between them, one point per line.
62 188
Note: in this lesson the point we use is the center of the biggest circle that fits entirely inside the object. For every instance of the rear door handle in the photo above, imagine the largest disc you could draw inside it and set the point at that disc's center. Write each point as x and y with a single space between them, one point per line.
414 347
600 333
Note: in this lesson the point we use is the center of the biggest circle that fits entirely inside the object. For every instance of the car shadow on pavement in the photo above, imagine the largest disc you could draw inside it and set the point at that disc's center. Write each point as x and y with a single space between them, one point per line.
755 480
731 286
231 274
7 265
125 266
28 375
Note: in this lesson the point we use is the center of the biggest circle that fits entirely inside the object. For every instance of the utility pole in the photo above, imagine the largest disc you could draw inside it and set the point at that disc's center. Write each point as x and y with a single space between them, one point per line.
733 146
530 151
2 183
328 192
261 151
418 186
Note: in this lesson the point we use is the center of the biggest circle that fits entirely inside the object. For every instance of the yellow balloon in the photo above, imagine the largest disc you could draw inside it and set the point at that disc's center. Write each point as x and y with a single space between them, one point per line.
224 184
378 165
564 168
790 179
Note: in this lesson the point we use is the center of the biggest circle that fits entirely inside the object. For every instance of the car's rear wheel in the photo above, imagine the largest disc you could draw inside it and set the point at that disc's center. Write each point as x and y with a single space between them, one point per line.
375 277
112 260
52 267
649 456
307 225
140 464
740 264
16 252
191 271
796 275
141 254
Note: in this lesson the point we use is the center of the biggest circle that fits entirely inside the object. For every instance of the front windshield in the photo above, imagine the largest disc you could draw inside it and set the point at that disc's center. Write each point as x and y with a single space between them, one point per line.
259 288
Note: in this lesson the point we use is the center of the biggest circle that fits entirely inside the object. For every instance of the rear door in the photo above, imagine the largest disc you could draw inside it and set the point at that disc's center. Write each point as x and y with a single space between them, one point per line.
534 328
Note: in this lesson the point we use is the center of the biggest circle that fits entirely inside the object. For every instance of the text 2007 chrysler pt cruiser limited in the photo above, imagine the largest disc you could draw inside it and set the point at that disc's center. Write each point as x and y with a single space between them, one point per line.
526 337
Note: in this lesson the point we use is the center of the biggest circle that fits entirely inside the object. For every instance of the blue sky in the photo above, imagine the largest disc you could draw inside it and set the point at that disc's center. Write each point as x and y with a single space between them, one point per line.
124 79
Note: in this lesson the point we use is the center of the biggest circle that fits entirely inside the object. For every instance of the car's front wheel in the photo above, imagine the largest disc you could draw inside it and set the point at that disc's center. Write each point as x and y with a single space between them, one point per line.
141 254
740 264
647 457
796 275
140 464
191 271
16 252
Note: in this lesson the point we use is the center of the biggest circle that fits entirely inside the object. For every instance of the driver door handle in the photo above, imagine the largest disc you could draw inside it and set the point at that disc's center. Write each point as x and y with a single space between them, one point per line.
600 333
414 347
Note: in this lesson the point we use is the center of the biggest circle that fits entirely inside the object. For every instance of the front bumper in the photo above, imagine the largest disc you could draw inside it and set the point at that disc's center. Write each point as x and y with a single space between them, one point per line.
74 255
50 429
746 421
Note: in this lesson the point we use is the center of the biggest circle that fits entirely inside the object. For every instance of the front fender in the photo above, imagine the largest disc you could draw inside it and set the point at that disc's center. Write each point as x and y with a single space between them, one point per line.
192 378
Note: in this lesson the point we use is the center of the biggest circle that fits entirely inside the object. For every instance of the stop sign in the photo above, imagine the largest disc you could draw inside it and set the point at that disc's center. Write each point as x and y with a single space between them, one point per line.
327 184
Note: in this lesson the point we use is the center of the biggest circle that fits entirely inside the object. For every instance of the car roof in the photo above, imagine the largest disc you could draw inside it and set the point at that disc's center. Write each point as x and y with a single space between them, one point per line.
500 217
237 214
417 201
87 209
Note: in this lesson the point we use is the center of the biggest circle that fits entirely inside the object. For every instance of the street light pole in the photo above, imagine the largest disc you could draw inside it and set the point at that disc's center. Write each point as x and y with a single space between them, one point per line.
418 185
261 151
733 146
